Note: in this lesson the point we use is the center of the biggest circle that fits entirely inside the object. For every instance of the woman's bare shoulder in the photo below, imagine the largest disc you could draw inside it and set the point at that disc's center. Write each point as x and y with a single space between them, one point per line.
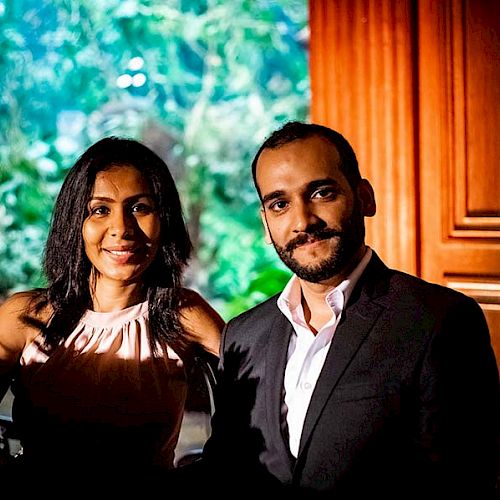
193 306
201 321
18 314
28 302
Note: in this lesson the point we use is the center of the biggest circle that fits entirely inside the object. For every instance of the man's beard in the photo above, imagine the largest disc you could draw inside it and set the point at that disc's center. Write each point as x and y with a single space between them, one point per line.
349 238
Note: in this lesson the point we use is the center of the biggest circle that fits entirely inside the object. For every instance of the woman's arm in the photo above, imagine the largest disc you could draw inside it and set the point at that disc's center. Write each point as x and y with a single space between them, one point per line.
14 335
202 322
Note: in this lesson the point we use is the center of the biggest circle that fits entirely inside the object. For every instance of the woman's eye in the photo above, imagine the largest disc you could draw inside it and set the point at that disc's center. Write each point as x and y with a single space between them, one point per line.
142 208
99 210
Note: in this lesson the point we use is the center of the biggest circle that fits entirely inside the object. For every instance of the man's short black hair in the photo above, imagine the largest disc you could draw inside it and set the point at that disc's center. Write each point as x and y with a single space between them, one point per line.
295 130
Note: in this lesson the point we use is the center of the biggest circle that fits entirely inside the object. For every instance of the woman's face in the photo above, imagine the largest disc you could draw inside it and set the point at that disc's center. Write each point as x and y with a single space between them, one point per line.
122 230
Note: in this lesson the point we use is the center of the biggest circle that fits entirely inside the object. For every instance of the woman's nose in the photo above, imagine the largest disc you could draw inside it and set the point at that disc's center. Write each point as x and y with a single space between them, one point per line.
121 224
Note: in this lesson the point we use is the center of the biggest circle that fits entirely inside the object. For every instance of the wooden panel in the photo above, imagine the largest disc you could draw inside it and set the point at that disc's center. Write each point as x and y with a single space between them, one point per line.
458 109
487 293
361 82
482 97
473 31
415 87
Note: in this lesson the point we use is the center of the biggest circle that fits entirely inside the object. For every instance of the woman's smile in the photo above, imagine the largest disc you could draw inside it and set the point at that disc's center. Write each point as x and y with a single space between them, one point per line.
122 230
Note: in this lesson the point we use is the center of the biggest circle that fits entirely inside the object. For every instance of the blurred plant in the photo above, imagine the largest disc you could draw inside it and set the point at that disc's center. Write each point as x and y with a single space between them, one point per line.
201 82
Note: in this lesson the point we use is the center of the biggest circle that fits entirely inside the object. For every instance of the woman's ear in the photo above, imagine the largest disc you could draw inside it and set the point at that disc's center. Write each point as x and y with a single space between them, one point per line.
267 235
366 197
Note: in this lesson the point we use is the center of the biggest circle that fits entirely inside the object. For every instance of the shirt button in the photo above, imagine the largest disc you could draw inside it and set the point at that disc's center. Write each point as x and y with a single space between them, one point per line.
307 385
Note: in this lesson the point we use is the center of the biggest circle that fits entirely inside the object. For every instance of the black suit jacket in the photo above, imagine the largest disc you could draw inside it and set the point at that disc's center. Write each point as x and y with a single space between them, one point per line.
406 405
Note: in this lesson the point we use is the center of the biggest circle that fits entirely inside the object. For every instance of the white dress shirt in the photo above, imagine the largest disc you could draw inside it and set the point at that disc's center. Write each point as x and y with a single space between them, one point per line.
306 351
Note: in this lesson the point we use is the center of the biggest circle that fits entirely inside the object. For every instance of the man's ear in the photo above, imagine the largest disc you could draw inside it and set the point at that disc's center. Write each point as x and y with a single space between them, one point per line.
366 197
267 235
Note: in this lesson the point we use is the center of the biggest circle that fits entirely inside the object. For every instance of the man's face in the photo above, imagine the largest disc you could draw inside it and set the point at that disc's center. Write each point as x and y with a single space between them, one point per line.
310 212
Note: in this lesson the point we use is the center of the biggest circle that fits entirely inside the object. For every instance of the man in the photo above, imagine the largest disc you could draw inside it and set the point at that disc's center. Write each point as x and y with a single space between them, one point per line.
357 379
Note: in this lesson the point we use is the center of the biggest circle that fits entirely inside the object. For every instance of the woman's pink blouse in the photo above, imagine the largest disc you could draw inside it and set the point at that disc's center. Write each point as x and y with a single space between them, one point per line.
101 394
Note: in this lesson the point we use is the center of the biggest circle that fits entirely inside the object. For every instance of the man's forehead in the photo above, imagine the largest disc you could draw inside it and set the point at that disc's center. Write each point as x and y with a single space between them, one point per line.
311 160
312 142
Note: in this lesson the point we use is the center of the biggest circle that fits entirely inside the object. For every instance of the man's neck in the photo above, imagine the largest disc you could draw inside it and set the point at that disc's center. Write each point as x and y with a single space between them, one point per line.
316 310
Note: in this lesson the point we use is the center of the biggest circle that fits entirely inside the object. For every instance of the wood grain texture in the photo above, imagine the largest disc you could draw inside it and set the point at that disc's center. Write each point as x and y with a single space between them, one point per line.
362 86
415 87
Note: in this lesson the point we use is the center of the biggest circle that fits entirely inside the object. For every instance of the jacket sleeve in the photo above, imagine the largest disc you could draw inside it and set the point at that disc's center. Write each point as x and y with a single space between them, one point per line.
459 412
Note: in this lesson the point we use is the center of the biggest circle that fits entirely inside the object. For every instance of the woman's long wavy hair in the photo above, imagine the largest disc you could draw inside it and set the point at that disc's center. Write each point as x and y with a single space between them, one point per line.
67 267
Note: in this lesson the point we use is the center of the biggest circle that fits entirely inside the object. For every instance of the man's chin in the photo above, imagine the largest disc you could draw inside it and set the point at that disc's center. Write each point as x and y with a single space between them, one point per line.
314 274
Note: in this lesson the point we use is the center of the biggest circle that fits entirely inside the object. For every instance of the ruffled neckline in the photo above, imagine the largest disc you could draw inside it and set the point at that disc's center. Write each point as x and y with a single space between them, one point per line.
103 319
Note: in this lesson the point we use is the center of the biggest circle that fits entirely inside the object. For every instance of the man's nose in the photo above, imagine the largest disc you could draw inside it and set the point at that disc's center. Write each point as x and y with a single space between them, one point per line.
305 217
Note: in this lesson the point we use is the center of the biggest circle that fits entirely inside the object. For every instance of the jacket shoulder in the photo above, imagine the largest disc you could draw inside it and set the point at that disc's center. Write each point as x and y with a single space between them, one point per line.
379 277
263 310
426 291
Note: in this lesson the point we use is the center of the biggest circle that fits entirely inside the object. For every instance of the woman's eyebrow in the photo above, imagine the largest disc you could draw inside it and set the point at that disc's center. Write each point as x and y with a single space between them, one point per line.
134 197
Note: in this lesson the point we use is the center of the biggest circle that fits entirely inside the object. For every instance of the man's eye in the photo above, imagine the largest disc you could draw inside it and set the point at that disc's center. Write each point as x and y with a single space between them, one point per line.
278 205
323 193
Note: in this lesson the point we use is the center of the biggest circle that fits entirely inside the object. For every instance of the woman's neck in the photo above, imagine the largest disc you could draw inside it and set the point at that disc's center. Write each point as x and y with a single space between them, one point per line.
112 297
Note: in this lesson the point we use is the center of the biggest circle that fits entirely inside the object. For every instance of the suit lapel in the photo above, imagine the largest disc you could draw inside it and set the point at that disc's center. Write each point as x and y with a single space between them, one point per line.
356 322
276 357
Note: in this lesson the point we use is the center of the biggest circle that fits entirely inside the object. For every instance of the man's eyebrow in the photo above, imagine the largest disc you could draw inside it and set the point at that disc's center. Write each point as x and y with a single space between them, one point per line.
327 181
272 196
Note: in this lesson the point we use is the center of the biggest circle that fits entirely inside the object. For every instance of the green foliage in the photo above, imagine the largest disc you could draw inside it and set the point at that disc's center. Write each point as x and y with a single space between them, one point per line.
201 82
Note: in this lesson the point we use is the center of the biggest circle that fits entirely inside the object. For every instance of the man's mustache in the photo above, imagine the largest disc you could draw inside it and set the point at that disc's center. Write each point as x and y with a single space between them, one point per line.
318 235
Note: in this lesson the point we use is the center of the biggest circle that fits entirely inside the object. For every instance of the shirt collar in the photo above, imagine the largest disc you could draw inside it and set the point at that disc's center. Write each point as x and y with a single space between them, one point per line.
289 300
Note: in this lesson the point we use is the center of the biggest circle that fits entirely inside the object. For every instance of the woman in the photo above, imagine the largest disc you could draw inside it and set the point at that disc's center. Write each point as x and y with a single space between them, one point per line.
97 359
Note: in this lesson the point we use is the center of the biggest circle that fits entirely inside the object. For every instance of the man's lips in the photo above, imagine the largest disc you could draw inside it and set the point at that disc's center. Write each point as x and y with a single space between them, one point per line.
309 239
